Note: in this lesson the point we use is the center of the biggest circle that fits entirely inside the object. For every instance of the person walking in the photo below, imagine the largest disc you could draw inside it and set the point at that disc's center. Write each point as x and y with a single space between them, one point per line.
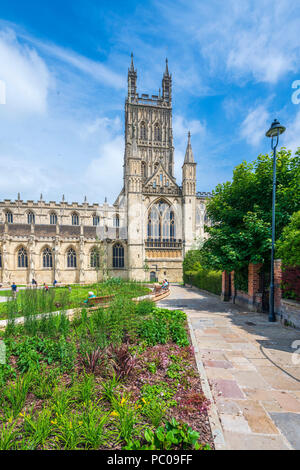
14 290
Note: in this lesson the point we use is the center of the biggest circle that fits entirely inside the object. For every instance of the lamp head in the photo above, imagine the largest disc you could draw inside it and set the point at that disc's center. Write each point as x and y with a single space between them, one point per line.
275 129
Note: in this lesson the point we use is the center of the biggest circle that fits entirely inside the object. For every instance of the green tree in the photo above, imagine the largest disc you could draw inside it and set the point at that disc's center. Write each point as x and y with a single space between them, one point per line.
288 247
241 211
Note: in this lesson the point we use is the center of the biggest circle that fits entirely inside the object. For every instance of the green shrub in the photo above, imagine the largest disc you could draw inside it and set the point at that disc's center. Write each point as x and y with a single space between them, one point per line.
204 279
164 325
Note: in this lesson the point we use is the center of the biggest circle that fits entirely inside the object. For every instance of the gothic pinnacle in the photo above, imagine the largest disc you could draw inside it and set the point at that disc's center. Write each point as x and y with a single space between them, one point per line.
189 157
166 74
132 64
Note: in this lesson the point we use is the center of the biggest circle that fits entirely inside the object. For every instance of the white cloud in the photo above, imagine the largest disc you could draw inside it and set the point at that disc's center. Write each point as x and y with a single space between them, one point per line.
106 172
254 126
181 127
101 127
291 138
25 74
96 70
242 41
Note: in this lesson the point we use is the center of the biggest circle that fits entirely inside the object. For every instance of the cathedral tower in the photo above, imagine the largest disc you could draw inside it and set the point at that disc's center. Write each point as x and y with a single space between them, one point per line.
189 197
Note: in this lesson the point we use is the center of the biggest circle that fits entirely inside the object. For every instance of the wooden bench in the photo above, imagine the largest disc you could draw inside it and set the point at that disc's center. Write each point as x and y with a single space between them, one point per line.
101 301
158 290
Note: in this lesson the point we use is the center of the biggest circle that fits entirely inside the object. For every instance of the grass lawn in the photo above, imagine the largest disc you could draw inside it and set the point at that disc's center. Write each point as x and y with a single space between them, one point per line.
5 293
35 301
120 378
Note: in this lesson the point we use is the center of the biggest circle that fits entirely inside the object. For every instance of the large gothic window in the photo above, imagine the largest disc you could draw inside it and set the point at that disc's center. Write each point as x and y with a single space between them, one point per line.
75 219
95 258
9 217
22 258
118 256
143 131
161 223
30 218
96 220
71 258
157 133
47 258
53 218
116 221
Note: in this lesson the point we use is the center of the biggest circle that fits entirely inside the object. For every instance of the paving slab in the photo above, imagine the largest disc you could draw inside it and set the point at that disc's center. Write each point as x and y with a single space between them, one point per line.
250 376
289 424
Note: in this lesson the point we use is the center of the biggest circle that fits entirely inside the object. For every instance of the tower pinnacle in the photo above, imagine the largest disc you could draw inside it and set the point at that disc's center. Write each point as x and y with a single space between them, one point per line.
132 64
132 78
189 157
167 69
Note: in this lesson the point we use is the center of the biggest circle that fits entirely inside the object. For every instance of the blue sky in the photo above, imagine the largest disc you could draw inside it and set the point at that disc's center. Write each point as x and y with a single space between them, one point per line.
65 65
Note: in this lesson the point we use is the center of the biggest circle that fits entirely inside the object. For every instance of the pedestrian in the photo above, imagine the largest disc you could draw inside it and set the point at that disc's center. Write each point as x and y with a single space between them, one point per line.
14 290
46 287
54 283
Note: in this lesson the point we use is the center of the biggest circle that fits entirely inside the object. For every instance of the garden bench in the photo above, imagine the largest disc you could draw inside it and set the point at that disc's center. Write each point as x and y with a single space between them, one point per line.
158 290
101 301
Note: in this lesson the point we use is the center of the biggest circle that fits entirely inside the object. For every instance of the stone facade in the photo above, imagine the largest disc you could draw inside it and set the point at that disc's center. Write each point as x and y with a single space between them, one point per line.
143 235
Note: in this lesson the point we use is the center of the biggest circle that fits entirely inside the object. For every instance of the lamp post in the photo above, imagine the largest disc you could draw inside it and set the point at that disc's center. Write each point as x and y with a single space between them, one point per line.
275 130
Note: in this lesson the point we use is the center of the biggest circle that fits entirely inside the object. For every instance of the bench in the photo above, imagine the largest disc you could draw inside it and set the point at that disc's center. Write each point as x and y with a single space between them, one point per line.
101 301
158 290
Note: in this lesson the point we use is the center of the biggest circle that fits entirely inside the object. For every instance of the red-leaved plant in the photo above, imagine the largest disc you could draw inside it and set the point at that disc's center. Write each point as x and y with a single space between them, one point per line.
121 360
93 358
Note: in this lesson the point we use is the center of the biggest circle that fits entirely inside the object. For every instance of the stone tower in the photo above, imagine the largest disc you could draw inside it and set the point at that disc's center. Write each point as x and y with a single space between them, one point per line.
148 149
189 197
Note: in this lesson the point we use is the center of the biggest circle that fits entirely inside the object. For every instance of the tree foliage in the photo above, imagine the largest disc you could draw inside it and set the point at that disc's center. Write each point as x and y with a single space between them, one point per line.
241 211
288 247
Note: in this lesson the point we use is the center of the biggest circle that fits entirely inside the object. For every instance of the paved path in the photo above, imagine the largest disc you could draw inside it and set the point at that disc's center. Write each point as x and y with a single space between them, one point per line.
253 379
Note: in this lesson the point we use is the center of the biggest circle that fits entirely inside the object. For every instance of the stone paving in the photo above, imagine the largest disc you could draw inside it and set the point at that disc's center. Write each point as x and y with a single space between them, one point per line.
252 370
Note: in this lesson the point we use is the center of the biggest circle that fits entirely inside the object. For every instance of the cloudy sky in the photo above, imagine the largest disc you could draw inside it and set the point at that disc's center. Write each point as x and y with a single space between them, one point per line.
64 65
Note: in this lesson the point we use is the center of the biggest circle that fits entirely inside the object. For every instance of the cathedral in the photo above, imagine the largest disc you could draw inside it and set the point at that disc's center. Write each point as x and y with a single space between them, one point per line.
144 235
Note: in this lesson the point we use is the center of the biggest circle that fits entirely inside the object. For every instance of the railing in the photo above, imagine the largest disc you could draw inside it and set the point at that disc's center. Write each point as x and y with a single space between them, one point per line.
163 244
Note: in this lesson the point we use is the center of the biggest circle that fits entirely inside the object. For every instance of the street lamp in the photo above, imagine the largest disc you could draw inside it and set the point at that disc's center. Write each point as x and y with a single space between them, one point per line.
275 130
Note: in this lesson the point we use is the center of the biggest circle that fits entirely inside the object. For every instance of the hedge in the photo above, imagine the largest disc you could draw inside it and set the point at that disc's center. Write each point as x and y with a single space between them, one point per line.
205 279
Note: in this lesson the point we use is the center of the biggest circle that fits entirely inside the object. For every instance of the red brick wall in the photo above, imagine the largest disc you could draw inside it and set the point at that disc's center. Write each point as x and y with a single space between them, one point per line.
225 286
277 284
253 279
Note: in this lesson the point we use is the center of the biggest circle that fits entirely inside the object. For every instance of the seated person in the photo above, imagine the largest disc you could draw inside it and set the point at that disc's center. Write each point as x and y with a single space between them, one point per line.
165 284
91 296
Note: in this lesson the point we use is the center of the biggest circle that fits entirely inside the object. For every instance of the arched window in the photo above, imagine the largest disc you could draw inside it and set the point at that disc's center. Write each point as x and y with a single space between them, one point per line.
9 217
161 223
30 218
71 258
144 169
116 221
53 218
143 132
96 220
75 219
95 258
0 259
47 258
118 256
22 258
157 134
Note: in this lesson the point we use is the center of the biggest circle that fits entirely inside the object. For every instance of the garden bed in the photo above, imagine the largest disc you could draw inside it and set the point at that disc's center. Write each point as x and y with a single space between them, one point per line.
37 301
121 378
